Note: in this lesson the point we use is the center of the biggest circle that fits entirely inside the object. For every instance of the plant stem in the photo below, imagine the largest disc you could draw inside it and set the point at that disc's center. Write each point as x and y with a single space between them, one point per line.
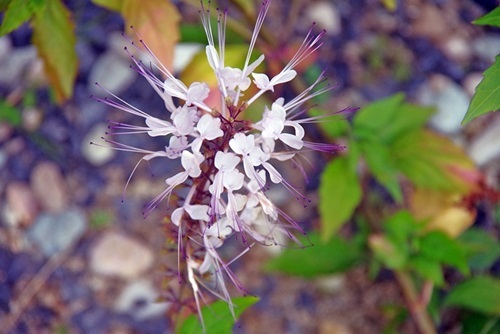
418 309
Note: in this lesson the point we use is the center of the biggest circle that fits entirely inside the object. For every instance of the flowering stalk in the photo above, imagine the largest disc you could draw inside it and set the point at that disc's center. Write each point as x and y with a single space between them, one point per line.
226 163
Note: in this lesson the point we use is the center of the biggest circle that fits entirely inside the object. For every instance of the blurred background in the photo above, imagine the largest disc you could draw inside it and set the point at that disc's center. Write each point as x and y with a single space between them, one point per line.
77 255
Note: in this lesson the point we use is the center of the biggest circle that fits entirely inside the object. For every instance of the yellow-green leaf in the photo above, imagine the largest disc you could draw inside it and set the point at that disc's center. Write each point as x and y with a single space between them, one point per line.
492 18
54 37
487 96
115 5
157 23
18 12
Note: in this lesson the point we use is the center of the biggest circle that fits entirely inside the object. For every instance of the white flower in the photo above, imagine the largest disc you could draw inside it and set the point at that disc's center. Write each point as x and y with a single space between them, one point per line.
226 163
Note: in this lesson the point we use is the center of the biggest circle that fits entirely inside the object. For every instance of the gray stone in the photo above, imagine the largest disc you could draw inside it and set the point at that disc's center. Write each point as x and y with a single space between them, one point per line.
139 298
112 72
52 233
326 15
450 99
485 147
487 47
98 153
118 255
50 187
21 205
16 64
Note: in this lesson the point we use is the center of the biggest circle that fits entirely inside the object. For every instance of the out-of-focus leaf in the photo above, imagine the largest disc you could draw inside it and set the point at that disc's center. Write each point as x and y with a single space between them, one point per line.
54 37
336 126
401 225
18 12
115 5
4 4
381 164
487 96
480 294
481 248
339 195
427 268
438 246
157 24
442 210
9 114
474 323
491 19
336 255
217 316
247 6
391 252
433 161
390 5
389 118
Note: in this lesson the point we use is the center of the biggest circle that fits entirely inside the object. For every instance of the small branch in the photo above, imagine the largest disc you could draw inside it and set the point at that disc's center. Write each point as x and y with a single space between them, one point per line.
417 307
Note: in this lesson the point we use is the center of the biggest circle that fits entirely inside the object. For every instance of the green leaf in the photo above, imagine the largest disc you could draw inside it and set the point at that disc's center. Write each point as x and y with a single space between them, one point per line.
427 268
481 248
9 114
381 163
480 294
432 161
18 12
54 37
474 323
336 126
4 4
336 255
487 96
389 118
217 316
401 225
438 246
390 251
115 5
492 18
339 195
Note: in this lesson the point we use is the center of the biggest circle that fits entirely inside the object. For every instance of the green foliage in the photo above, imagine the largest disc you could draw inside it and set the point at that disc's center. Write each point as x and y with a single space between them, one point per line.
55 40
9 114
19 12
438 246
217 317
492 18
339 195
115 5
487 96
481 294
481 248
336 255
474 323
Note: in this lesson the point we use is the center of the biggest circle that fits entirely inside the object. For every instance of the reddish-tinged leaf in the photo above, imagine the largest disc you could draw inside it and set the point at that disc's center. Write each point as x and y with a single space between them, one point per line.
157 23
54 37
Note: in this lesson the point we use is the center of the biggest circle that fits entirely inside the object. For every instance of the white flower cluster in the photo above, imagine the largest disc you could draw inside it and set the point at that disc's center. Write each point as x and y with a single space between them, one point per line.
226 161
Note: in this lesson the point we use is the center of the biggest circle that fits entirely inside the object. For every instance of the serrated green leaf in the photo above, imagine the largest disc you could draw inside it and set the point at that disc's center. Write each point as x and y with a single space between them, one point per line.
481 294
438 246
381 163
336 255
9 114
115 5
427 268
55 40
481 248
18 12
487 96
491 19
339 195
217 316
